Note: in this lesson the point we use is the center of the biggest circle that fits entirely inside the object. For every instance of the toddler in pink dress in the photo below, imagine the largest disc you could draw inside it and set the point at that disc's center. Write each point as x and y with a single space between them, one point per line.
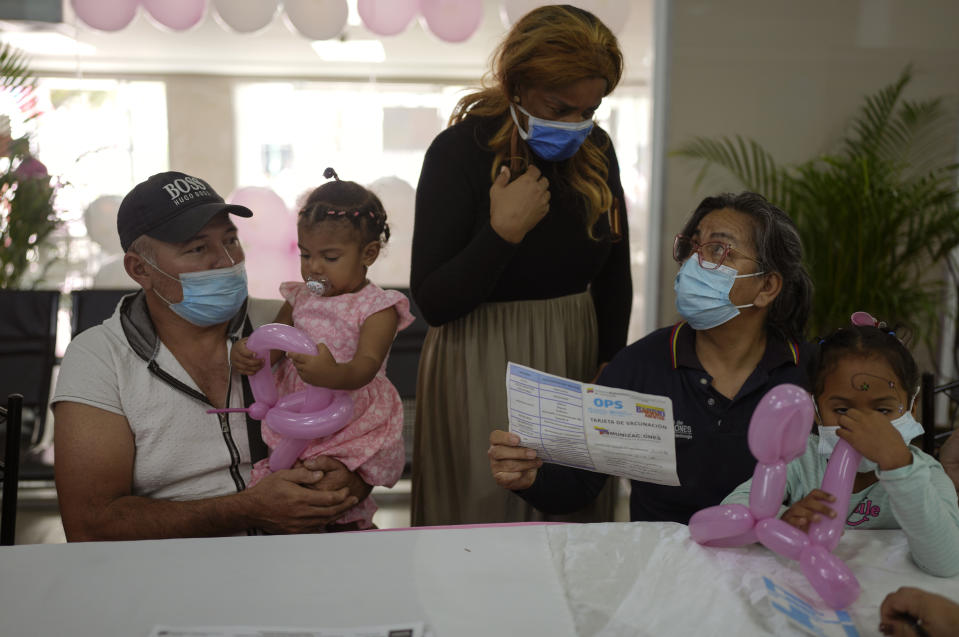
340 230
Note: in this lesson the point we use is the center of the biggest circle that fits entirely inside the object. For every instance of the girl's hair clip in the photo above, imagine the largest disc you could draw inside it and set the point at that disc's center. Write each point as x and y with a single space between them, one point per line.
864 318
329 173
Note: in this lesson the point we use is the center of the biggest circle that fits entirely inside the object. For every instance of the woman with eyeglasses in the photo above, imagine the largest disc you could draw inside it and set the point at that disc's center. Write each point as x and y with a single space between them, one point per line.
520 253
744 297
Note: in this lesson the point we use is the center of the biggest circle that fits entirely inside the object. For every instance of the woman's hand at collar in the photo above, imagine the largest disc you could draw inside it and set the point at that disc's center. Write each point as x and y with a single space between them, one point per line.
516 207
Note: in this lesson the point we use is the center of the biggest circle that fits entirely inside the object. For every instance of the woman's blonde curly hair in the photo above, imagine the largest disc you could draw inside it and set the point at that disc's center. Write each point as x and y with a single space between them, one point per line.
551 47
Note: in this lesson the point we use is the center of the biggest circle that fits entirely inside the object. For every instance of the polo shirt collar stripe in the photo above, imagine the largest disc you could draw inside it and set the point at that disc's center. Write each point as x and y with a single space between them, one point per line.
673 337
682 346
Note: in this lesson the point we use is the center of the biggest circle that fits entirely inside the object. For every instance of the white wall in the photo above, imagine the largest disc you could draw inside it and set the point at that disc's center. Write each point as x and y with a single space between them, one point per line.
790 75
200 122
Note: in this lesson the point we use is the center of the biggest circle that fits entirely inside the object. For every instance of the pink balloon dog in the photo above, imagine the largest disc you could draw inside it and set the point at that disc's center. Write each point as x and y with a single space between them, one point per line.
777 434
301 416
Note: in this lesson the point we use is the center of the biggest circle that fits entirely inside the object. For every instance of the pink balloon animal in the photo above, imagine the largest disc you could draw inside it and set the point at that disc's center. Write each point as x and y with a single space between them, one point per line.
777 434
301 416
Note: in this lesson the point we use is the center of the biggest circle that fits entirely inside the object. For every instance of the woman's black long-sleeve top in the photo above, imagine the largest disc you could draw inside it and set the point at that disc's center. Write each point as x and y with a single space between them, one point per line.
460 262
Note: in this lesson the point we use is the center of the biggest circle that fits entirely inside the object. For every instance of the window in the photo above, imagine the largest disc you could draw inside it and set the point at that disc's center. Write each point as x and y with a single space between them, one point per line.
377 134
100 137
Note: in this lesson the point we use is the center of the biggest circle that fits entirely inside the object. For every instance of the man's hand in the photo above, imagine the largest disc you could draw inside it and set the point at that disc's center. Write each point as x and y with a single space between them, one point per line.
290 501
336 476
243 359
909 610
513 467
810 509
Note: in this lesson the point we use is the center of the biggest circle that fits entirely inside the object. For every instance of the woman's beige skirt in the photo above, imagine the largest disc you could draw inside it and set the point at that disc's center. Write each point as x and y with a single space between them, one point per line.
461 398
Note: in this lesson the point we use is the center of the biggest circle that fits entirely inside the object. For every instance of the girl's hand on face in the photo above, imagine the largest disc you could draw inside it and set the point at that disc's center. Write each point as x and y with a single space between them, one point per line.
810 509
872 434
515 208
319 370
243 359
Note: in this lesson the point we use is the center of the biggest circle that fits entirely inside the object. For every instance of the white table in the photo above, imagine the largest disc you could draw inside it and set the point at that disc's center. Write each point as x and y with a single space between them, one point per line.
652 579
603 580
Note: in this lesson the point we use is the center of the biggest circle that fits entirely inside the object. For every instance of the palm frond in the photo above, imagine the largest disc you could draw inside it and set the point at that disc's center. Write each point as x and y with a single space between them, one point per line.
17 79
872 123
745 159
877 217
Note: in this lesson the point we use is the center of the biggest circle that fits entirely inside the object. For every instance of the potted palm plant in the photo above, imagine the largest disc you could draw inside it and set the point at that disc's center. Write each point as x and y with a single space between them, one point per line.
27 192
878 216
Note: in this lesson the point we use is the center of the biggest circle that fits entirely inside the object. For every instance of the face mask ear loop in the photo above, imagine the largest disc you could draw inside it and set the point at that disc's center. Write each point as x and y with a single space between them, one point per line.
157 268
815 406
523 134
912 401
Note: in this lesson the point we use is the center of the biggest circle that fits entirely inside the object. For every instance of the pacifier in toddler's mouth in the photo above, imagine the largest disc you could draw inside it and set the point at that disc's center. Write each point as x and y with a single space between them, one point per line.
319 286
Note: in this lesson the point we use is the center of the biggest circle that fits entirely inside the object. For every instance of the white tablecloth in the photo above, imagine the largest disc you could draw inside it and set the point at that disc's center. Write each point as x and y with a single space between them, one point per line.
652 579
556 580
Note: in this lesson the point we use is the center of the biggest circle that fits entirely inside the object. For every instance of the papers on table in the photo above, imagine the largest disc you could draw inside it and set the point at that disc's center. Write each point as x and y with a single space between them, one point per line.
805 616
414 629
614 431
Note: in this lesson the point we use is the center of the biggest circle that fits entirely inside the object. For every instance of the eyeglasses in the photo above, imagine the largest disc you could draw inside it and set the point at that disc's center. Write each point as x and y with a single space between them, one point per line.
711 254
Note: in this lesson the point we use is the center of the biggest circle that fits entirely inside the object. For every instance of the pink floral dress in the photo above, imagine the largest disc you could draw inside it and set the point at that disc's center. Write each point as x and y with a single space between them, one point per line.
372 444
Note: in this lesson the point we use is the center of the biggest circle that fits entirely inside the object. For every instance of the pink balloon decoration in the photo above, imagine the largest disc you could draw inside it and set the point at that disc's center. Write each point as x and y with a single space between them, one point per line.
829 576
781 537
452 20
178 15
769 484
716 523
301 416
268 239
317 19
780 424
840 476
246 16
386 17
777 434
105 15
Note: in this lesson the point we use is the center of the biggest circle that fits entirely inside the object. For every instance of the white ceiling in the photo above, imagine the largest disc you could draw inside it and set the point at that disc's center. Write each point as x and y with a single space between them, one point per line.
146 48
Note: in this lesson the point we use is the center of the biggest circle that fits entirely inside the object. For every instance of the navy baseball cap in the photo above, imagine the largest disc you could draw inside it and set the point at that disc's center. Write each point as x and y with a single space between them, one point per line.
171 207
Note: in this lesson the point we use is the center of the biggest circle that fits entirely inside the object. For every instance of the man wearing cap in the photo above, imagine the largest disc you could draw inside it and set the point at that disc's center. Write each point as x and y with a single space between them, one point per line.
137 454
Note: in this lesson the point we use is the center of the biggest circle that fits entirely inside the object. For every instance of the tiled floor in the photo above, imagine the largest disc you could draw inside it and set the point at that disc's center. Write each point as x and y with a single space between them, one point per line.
38 519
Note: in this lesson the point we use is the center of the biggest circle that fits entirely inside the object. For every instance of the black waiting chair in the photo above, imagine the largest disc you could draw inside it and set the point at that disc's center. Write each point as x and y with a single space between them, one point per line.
10 417
92 307
401 369
28 341
930 439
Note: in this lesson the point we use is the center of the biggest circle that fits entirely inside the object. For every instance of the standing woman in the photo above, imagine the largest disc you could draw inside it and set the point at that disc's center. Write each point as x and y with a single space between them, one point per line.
520 253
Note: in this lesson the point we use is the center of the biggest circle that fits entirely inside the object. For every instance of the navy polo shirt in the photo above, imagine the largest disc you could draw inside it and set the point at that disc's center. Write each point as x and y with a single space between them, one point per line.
712 455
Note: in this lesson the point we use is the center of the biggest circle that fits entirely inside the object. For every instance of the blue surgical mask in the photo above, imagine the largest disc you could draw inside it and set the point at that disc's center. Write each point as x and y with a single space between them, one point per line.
210 296
907 426
553 141
702 296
